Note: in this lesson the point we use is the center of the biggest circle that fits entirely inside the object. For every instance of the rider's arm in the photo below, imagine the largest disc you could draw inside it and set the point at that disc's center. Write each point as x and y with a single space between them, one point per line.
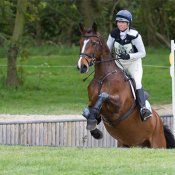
110 42
140 47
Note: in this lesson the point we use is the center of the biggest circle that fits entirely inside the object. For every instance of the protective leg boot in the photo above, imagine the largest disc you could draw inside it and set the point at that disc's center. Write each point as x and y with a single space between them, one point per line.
144 112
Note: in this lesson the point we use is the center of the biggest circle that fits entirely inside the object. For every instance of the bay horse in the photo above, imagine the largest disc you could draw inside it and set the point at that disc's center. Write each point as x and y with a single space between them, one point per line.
111 98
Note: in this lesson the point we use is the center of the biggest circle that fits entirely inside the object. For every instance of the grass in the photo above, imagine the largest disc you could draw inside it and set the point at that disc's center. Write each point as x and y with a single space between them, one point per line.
81 161
60 90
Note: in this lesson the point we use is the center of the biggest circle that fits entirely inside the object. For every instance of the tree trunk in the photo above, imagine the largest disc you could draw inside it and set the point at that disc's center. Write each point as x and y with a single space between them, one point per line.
12 78
90 12
37 23
86 11
38 32
112 15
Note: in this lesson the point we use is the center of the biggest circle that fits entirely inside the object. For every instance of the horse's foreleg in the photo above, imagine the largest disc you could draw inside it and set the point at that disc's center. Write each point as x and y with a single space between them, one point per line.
96 133
91 120
87 112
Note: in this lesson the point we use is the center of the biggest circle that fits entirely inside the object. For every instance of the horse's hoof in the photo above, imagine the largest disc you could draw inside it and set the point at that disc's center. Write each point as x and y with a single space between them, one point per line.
97 134
91 124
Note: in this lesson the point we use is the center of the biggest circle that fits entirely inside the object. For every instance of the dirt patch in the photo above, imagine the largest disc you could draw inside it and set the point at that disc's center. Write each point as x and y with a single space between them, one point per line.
163 109
160 109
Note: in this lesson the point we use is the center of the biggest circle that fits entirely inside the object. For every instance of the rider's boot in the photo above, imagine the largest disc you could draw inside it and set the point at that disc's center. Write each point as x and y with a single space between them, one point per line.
144 111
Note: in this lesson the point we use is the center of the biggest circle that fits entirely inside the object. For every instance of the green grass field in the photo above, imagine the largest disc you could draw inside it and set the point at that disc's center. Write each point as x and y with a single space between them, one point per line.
60 90
80 161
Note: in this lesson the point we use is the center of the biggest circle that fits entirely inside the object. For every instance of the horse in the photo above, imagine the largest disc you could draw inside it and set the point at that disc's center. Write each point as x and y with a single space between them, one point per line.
111 99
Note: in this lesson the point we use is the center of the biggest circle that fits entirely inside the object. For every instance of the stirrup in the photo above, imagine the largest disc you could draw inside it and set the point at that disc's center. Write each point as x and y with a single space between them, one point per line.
145 114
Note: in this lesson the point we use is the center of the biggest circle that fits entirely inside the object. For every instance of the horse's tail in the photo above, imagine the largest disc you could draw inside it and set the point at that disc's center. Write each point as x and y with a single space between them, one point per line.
170 140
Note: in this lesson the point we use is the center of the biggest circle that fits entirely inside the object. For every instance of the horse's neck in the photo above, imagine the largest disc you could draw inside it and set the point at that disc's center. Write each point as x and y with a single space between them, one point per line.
103 68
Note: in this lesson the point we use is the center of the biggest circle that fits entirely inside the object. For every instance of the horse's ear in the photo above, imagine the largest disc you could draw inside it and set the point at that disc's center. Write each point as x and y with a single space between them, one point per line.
94 27
82 28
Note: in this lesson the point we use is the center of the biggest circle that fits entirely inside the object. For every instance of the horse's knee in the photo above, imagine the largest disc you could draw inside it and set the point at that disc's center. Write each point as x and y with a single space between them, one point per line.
97 134
103 96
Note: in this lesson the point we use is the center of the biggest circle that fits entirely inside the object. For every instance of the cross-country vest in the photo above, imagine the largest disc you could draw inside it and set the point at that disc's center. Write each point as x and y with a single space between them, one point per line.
125 45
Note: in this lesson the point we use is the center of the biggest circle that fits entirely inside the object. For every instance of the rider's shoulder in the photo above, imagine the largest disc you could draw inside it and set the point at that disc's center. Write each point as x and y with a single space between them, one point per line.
115 32
133 33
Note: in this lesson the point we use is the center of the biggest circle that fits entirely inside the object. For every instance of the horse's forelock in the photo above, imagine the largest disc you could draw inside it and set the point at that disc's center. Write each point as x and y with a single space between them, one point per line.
89 30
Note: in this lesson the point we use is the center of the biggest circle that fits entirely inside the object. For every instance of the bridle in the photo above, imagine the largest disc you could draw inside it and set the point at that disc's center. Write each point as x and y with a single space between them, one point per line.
93 55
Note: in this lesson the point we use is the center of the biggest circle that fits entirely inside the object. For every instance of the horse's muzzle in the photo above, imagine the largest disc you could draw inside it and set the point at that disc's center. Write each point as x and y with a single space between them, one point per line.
83 69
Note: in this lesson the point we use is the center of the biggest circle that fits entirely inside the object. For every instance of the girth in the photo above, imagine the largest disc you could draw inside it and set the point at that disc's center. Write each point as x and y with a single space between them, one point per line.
118 121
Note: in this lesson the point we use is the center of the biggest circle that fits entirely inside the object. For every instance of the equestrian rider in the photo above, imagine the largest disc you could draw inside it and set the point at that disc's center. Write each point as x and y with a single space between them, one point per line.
129 47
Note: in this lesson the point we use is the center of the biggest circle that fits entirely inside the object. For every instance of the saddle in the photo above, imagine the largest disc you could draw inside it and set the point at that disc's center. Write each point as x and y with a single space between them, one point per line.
133 86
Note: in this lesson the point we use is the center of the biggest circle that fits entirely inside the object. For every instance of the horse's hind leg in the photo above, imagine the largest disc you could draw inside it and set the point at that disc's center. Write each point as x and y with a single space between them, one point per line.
158 138
121 145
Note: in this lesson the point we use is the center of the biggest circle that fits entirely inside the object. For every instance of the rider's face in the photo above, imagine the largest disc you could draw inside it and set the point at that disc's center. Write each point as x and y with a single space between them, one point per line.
122 25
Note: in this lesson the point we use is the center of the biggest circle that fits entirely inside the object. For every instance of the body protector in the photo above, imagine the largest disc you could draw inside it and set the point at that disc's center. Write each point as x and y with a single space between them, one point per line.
124 45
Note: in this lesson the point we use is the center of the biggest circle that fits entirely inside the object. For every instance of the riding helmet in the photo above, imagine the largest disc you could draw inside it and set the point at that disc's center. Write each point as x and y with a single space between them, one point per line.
124 15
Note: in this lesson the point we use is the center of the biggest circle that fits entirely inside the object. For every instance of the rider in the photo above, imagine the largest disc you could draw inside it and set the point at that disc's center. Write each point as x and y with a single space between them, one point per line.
129 47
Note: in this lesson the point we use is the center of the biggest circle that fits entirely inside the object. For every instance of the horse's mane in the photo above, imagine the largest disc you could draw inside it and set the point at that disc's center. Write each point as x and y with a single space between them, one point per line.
105 47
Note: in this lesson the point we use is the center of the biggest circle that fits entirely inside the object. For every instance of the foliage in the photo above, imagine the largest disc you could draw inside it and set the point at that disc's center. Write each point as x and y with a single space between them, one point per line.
59 19
81 161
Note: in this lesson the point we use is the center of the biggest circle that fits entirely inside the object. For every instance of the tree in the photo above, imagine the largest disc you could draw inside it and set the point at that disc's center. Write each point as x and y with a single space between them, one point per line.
112 14
159 21
12 77
90 10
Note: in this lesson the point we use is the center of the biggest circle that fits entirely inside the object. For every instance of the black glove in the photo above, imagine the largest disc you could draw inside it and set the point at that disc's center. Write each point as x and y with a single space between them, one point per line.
124 56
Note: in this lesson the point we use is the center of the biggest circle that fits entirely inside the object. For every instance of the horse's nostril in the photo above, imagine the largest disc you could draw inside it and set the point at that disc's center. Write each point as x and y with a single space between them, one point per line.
83 67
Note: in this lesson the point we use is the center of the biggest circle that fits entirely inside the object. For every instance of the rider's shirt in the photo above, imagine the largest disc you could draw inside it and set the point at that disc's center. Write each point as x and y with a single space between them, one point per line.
129 41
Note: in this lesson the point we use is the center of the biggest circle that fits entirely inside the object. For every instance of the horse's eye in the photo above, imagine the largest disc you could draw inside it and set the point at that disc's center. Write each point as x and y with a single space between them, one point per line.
94 43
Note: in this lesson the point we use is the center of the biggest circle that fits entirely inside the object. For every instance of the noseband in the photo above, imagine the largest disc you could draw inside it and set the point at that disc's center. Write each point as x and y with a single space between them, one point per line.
91 56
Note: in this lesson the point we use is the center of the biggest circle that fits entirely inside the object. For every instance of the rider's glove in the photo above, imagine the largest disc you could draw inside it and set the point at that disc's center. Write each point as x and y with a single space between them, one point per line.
124 56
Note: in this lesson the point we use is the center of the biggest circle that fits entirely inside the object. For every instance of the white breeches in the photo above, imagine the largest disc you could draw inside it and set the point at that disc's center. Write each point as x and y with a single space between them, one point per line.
134 68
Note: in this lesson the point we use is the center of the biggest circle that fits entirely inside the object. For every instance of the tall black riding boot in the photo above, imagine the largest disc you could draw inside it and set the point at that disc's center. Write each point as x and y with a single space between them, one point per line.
144 112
